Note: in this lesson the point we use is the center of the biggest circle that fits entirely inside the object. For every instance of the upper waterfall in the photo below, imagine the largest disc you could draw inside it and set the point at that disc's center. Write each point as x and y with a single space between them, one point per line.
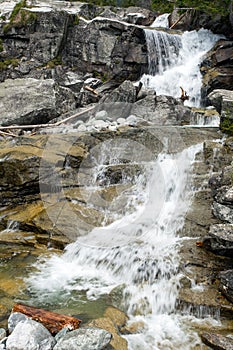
174 61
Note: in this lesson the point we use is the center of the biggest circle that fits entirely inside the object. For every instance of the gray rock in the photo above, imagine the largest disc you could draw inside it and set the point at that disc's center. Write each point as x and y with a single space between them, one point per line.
217 341
32 101
113 49
14 319
101 115
162 110
223 212
132 120
30 335
225 196
222 100
88 338
220 239
126 92
226 284
2 333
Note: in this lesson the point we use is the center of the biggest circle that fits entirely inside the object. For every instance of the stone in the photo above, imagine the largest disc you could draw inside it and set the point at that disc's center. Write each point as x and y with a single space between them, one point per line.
14 319
32 101
101 115
139 15
222 100
162 110
118 317
2 333
117 342
223 212
217 67
220 239
226 283
86 338
30 335
126 92
217 341
132 120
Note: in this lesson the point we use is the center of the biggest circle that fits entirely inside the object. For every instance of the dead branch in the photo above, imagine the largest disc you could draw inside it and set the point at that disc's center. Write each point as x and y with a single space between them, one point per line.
53 321
179 19
38 126
88 88
184 95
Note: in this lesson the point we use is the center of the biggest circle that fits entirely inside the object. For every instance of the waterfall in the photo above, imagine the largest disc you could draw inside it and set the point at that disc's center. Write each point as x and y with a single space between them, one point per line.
161 21
138 251
174 61
163 50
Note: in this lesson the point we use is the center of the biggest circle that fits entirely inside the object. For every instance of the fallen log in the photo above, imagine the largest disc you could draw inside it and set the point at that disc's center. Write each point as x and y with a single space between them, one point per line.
53 321
38 126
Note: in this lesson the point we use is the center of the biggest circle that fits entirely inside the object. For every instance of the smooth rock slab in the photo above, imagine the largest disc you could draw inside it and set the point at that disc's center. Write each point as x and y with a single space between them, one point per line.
226 284
33 101
88 338
30 335
217 341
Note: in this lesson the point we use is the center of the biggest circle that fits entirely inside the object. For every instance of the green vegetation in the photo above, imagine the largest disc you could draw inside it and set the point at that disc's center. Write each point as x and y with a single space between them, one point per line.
1 45
57 61
14 62
76 20
210 6
101 76
226 125
20 17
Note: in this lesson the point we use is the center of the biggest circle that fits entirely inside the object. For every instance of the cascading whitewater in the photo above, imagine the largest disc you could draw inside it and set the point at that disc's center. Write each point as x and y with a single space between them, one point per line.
175 62
146 262
163 50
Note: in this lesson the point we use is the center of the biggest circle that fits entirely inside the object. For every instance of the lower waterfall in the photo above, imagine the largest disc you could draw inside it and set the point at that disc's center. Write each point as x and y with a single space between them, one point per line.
145 266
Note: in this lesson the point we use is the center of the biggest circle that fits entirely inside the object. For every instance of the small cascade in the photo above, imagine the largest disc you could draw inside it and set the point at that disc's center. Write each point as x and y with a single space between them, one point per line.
138 251
174 62
161 21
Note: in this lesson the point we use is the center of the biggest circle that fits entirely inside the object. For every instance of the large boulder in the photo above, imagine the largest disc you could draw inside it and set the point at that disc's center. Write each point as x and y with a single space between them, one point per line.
32 101
217 67
222 100
87 338
30 335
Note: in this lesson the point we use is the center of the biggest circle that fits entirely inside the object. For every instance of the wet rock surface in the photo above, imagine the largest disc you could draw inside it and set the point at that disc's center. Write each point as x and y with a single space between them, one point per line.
217 341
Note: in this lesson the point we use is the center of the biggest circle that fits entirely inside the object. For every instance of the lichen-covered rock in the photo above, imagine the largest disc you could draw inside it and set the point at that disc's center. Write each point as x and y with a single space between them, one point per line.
32 101
220 239
86 338
30 335
223 212
226 284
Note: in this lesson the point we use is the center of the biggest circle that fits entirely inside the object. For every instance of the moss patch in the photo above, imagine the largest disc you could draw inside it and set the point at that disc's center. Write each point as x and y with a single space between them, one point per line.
14 62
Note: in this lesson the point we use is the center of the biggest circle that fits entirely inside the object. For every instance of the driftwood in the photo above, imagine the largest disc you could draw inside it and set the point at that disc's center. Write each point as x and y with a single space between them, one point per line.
176 22
53 321
88 88
184 95
38 126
